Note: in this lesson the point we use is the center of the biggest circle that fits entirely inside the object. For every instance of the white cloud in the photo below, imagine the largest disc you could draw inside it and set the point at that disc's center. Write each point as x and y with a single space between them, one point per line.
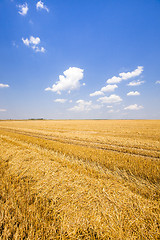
33 42
133 107
109 106
69 81
4 85
111 99
37 49
136 93
114 79
84 106
3 110
109 88
125 76
26 41
60 100
23 9
157 82
135 83
132 74
40 5
96 93
122 76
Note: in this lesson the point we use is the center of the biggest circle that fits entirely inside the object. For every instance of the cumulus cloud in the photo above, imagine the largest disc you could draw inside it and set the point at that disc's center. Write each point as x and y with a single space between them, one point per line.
122 76
33 42
60 100
84 106
4 85
111 99
157 82
133 107
136 93
109 106
114 79
132 74
126 75
69 81
109 88
40 5
96 93
3 110
23 9
135 83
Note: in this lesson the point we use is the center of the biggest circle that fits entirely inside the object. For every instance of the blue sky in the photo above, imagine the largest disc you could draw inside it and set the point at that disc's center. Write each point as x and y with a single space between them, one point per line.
70 59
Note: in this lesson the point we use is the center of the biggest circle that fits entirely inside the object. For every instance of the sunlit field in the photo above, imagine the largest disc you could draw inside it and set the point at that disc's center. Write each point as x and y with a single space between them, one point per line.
80 179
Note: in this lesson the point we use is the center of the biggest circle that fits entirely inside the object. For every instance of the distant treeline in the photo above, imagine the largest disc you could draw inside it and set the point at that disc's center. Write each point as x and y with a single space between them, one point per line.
36 119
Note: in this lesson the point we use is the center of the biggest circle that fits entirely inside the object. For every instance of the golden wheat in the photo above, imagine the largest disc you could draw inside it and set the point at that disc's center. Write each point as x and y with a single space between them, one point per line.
80 179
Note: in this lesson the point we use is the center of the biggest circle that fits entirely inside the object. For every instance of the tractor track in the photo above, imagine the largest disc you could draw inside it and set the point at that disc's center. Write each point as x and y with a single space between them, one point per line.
95 145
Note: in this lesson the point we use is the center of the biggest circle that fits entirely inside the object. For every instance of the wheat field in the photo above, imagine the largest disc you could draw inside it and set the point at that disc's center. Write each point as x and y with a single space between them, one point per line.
80 179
